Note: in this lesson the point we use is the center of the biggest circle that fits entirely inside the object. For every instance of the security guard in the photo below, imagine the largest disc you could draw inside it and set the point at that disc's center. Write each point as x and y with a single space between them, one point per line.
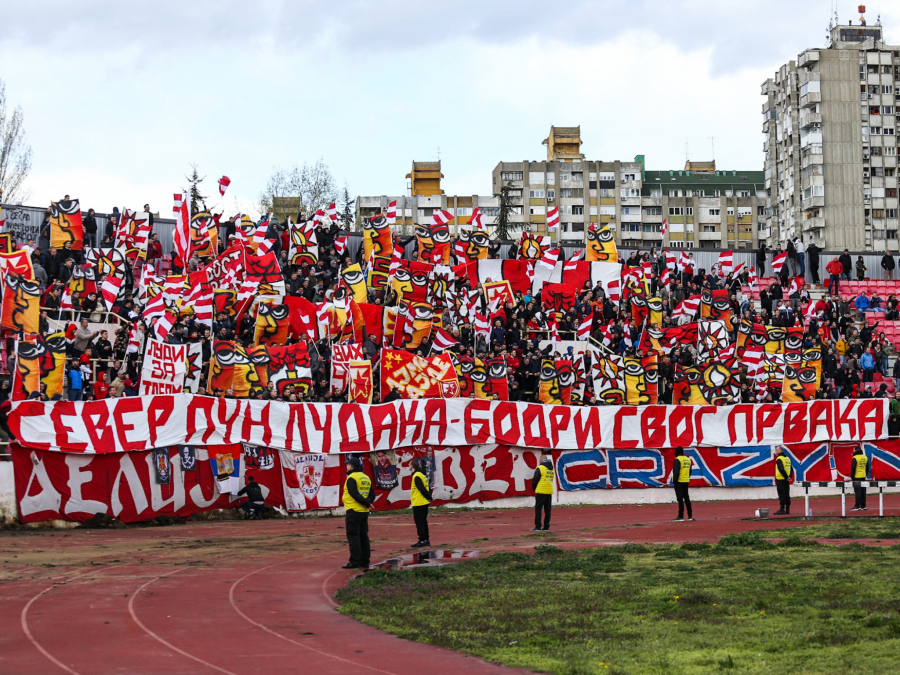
783 473
542 484
358 497
859 469
420 496
681 478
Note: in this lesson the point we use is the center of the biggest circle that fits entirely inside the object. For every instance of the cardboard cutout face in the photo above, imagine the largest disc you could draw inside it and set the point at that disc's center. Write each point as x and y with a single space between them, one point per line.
601 245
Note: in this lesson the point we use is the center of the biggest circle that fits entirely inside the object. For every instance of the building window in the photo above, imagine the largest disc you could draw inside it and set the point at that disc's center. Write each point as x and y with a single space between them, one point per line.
878 213
578 210
689 211
536 194
890 213
535 177
730 211
606 176
743 193
676 211
887 89
571 193
491 211
715 212
628 193
577 227
717 193
592 175
653 211
651 227
890 192
728 193
538 210
676 193
551 195
593 210
656 192
551 179
463 211
511 175
515 194
710 228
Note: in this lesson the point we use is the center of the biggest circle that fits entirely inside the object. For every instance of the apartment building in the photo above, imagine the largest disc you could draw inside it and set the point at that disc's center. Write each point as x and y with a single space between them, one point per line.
830 143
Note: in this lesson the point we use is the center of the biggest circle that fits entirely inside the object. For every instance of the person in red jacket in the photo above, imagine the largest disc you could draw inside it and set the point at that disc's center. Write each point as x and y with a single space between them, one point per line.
101 388
834 269
154 249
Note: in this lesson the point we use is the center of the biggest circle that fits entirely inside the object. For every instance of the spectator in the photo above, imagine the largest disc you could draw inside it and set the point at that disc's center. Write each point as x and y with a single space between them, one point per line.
887 264
861 268
846 264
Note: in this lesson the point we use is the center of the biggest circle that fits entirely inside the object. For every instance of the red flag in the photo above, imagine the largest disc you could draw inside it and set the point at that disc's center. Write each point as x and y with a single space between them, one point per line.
224 182
553 218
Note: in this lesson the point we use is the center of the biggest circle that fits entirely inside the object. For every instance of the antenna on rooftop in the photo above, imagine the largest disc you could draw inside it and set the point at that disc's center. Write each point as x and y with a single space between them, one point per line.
712 141
687 155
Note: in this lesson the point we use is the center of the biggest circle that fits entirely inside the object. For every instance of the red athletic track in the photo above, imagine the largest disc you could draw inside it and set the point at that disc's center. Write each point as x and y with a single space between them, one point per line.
256 597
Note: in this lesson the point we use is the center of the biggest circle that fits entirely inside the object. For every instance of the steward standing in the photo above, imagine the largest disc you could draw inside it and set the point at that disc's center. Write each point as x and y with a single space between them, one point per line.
542 484
783 473
358 497
859 469
420 497
681 478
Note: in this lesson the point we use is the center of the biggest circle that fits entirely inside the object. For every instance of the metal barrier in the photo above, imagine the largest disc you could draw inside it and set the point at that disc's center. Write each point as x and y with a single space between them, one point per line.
880 484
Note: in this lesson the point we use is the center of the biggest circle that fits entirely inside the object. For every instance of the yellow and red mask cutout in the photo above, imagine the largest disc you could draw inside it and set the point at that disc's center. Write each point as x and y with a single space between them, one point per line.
258 369
39 361
204 234
6 243
601 245
640 310
434 243
272 324
714 383
655 307
304 246
681 385
714 305
422 314
565 373
638 384
66 225
608 375
475 244
550 393
224 302
465 366
21 304
802 375
221 365
411 283
378 273
290 365
389 325
377 237
793 339
240 385
533 246
354 279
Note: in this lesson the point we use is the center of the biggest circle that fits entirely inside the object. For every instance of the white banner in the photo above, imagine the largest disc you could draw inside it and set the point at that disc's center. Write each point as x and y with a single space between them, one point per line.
163 369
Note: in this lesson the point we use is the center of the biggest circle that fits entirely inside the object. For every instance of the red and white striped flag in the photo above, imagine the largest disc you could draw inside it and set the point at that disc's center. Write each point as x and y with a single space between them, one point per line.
164 324
810 312
726 263
796 285
584 328
224 182
737 270
259 235
443 340
578 256
753 357
441 217
182 235
614 291
265 246
134 341
687 307
552 217
606 332
647 267
685 261
391 213
778 262
570 266
200 298
477 219
340 243
460 250
66 300
550 258
671 259
554 332
665 226
110 288
396 262
240 236
331 211
665 279
753 279
482 324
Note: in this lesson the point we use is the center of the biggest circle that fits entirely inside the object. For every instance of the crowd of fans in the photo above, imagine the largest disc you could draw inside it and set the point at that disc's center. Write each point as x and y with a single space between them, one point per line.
99 366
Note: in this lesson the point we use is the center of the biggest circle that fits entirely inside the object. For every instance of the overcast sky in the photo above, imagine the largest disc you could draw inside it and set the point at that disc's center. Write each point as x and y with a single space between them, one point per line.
120 97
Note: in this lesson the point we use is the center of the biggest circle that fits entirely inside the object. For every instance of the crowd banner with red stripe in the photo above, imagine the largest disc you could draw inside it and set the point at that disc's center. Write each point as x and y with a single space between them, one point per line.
146 422
66 486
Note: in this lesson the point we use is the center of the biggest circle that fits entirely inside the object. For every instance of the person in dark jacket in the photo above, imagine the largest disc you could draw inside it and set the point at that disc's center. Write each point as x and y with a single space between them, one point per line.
358 497
859 471
846 264
89 223
812 254
393 395
542 484
420 497
761 261
255 500
888 265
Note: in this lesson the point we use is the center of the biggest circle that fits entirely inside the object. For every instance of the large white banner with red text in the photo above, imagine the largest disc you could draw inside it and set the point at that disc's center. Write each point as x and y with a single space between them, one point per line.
141 423
164 368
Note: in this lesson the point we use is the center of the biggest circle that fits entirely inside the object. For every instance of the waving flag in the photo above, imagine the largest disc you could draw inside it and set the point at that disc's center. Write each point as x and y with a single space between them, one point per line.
340 243
182 235
550 258
754 280
553 218
687 307
391 213
726 263
331 212
224 182
584 328
200 299
477 219
441 217
443 340
778 262
796 285
665 226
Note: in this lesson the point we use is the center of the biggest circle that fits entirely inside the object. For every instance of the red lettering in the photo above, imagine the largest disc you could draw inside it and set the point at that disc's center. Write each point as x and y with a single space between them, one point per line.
123 406
795 425
504 410
204 404
559 421
820 416
377 416
844 410
435 417
698 420
592 427
767 416
33 411
681 415
870 411
533 412
618 441
352 442
95 416
262 422
158 414
653 426
320 425
478 429
408 422
297 419
747 411
228 422
59 410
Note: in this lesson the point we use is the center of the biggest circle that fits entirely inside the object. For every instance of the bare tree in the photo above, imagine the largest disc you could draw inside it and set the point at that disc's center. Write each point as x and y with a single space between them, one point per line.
305 189
15 154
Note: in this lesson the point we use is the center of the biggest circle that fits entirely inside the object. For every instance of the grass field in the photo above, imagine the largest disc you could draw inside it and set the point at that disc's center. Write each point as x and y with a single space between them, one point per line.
744 605
851 528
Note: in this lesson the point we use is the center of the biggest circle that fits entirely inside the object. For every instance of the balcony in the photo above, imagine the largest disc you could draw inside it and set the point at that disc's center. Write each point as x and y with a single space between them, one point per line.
811 224
809 120
808 57
811 98
813 203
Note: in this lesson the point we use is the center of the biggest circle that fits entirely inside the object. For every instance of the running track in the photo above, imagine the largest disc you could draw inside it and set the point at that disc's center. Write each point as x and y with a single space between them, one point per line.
238 597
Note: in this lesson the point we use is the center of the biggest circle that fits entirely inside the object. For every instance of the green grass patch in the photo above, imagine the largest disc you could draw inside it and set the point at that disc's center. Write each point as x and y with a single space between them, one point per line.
854 528
744 605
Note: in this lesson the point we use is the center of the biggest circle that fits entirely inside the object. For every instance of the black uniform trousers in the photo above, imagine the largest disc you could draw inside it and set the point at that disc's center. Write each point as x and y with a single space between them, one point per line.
784 493
357 524
684 499
859 491
420 516
542 503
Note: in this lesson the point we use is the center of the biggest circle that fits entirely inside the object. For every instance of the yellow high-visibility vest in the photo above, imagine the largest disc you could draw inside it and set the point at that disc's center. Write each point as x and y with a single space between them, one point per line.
861 462
785 472
415 496
545 484
364 485
685 464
